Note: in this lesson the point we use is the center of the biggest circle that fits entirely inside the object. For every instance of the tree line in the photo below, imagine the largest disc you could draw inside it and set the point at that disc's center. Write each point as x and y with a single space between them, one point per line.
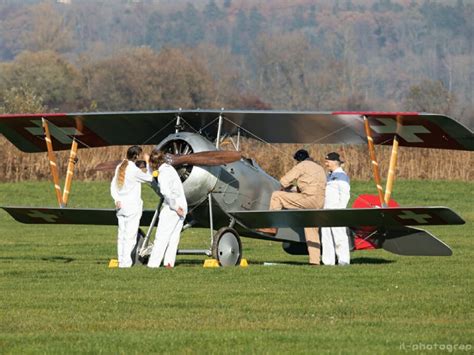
306 55
381 55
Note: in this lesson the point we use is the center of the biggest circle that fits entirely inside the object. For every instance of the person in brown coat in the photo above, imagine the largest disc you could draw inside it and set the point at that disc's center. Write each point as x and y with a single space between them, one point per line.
307 182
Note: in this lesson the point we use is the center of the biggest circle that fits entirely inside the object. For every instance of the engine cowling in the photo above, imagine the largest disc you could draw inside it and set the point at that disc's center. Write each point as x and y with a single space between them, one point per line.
198 181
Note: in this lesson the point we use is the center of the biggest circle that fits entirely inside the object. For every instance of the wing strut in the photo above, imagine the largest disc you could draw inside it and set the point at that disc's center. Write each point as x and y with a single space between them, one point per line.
391 170
52 162
373 158
70 171
384 199
61 196
219 128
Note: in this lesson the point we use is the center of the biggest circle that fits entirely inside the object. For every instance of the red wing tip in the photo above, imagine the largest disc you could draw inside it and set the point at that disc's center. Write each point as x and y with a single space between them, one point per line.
32 115
375 113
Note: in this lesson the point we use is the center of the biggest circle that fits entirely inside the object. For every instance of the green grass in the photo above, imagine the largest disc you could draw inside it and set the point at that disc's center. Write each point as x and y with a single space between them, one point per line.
59 296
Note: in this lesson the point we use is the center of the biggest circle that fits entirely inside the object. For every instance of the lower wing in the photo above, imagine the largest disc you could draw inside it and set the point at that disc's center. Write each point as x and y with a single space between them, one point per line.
45 215
349 217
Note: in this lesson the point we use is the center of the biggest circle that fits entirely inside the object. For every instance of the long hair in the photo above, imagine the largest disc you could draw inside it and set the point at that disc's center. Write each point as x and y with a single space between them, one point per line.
132 154
157 158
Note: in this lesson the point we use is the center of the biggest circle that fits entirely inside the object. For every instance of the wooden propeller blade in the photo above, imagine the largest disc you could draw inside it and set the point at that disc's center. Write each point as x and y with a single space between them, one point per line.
209 158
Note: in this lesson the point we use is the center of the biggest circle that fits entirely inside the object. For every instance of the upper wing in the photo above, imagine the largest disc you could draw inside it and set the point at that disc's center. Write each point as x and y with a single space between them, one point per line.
412 129
89 129
422 130
46 215
150 127
349 217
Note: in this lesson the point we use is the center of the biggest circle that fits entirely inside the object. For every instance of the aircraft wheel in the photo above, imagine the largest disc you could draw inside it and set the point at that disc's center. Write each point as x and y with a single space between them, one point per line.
227 248
136 258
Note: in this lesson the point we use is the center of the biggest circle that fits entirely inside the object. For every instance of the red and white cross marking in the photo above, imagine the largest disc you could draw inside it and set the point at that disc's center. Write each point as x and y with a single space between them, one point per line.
47 217
419 218
408 132
61 134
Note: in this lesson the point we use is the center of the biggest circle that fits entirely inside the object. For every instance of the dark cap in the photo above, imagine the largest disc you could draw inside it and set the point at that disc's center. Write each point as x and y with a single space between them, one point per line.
334 157
301 155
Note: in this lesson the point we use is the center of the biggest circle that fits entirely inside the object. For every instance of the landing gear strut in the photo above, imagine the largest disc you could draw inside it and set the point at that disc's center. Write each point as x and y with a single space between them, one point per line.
136 257
226 247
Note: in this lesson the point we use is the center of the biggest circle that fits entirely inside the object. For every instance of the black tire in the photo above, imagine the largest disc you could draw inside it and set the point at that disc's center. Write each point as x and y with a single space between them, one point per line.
226 247
136 258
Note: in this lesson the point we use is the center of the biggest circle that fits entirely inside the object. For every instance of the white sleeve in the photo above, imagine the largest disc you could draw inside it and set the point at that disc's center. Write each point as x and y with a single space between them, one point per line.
114 188
344 193
166 187
143 177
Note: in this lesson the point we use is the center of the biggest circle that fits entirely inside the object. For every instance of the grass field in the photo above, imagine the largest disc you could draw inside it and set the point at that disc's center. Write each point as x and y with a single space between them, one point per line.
59 296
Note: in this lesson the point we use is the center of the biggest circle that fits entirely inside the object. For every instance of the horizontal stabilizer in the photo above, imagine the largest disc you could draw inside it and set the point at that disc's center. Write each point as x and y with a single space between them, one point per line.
99 129
349 217
415 242
405 241
96 216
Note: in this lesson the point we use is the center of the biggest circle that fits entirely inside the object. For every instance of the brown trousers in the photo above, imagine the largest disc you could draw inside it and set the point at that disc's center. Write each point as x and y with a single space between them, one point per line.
293 200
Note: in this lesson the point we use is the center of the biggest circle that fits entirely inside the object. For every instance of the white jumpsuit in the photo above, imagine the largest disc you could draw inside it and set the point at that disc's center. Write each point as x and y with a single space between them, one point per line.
334 240
131 211
169 223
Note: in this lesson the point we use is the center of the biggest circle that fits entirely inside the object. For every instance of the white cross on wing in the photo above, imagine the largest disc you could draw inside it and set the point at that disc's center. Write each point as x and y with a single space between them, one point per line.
408 133
419 218
47 217
61 134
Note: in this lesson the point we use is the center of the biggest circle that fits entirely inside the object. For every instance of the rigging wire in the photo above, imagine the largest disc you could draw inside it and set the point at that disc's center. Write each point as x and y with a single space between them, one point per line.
156 133
236 125
253 135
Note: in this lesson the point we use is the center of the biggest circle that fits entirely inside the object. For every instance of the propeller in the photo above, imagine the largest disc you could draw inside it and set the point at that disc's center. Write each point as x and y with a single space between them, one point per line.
208 158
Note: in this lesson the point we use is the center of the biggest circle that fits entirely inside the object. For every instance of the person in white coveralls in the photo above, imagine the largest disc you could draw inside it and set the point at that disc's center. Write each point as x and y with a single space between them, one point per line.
126 190
334 240
172 215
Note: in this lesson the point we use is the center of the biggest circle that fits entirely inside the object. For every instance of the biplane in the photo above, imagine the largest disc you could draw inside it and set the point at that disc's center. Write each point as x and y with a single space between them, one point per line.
230 194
